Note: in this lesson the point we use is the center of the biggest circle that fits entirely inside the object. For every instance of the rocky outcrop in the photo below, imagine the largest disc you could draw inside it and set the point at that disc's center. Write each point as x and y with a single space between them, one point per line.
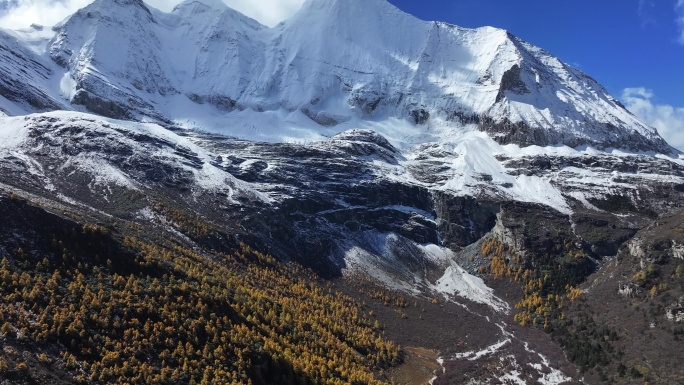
511 82
675 312
628 289
463 220
506 132
677 250
101 106
23 77
508 236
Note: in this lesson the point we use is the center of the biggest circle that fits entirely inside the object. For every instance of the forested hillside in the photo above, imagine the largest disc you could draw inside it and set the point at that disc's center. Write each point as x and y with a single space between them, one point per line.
103 307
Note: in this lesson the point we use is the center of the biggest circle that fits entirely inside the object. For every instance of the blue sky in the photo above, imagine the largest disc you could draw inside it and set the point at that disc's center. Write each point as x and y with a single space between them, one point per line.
635 48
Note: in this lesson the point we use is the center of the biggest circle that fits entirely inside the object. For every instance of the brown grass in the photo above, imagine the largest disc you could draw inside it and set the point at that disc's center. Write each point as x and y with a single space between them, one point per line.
418 368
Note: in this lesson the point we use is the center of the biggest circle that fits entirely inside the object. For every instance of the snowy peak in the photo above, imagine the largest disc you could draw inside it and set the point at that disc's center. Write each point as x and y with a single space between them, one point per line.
200 6
203 12
343 9
356 22
336 63
539 87
116 8
111 53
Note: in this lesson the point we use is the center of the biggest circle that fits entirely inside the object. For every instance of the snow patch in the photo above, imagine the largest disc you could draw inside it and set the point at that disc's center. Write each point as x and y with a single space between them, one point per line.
476 355
550 375
553 377
457 281
363 261
440 361
67 86
514 377
13 133
104 173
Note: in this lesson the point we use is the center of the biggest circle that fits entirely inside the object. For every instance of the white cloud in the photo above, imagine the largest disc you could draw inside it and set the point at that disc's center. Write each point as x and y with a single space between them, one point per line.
49 12
162 5
679 8
268 12
668 120
23 13
646 13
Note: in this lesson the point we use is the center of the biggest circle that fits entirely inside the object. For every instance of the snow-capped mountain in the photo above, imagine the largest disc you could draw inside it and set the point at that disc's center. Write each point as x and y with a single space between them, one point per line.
353 138
333 64
378 98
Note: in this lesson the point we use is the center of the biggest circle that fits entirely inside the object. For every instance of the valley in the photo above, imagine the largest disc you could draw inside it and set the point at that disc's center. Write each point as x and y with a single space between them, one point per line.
193 197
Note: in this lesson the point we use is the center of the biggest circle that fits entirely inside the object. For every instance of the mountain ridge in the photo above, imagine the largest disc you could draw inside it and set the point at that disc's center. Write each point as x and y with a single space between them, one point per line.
463 185
124 60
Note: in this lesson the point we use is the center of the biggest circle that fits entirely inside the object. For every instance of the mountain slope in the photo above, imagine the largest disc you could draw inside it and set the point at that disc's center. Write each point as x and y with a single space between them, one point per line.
24 79
205 65
462 184
355 207
116 308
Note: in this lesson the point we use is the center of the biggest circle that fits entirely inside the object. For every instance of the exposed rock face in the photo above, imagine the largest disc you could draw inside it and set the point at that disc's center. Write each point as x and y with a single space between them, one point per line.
464 220
324 202
677 250
23 78
353 205
507 235
101 106
636 248
675 312
506 132
386 148
512 82
628 290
